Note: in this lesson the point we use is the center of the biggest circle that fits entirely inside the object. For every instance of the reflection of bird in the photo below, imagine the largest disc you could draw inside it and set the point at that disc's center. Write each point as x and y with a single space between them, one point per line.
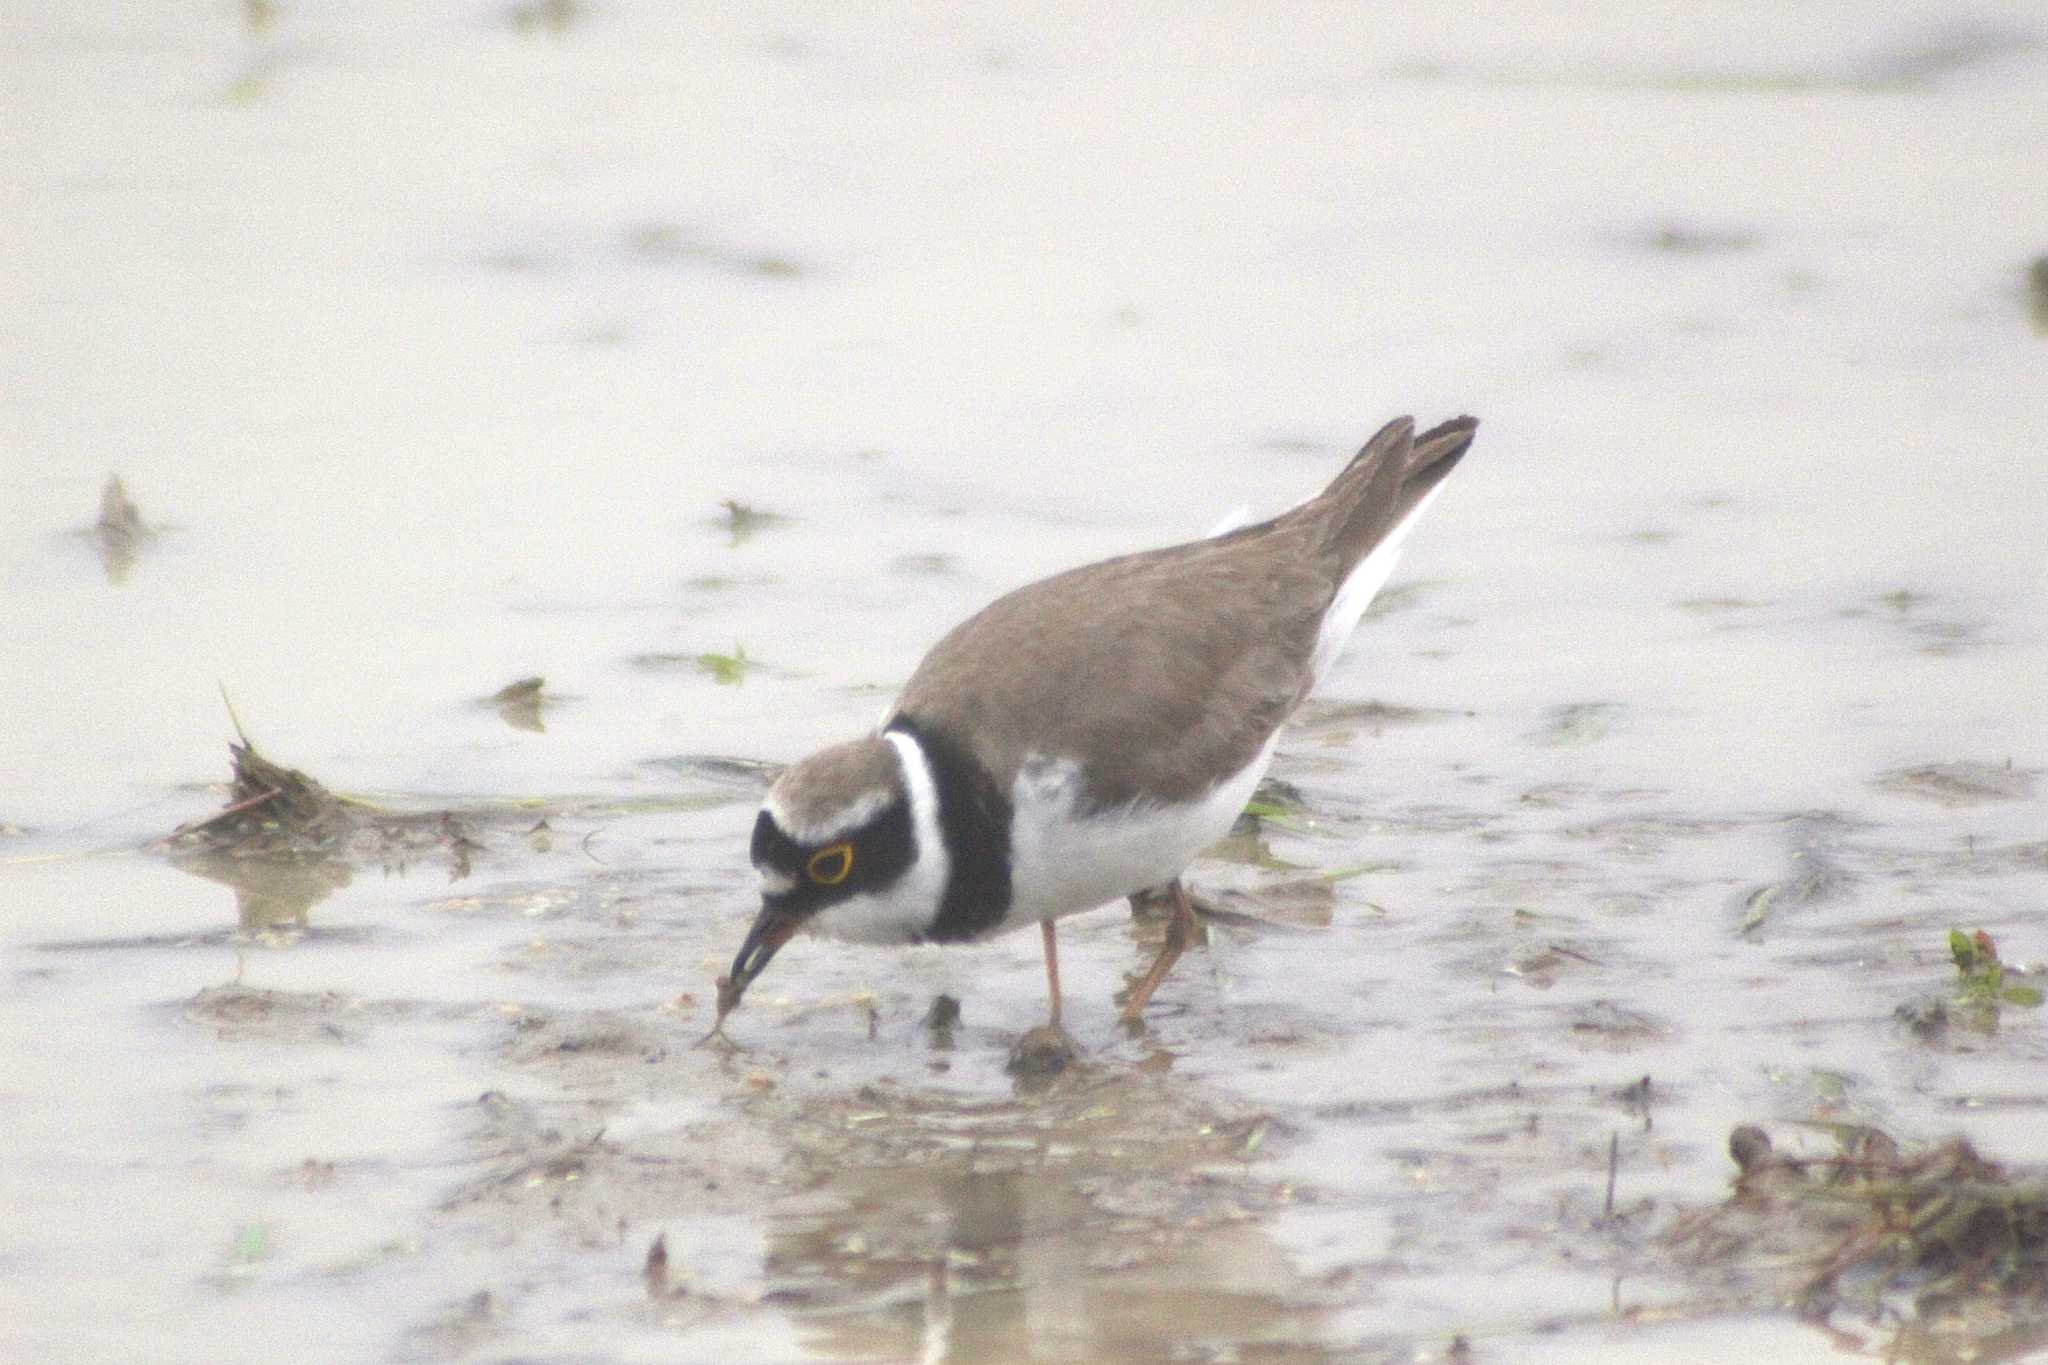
1084 737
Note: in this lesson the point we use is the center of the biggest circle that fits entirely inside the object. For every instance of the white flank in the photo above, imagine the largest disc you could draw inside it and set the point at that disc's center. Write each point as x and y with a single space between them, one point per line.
1358 590
1063 862
903 911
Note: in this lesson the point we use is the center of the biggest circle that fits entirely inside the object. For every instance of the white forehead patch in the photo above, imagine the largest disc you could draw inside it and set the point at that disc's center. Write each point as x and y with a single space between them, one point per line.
834 824
775 883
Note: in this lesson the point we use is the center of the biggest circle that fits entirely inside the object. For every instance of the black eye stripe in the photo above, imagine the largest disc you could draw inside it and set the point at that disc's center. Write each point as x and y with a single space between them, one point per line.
772 848
876 857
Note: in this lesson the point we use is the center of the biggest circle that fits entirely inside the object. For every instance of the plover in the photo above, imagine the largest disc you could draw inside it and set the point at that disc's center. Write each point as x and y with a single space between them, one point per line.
1083 738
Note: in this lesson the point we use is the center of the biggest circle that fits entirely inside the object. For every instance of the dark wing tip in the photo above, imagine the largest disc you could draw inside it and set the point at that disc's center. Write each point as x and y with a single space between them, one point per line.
1453 436
1397 443
1386 480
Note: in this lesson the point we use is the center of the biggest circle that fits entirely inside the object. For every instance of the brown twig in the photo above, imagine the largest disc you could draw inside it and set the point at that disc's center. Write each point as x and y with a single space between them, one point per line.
224 813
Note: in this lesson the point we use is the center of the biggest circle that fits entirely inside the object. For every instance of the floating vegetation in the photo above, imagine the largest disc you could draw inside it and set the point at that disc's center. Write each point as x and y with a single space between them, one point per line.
1400 597
1339 721
661 241
1291 818
1816 883
1940 636
1979 993
1275 803
751 774
1608 78
742 522
1816 875
672 243
1986 983
284 841
251 1248
118 516
554 17
518 260
1952 48
1907 67
1246 843
1606 1024
1297 902
2037 293
1683 240
727 670
119 532
1756 907
519 704
654 1270
253 82
925 565
1960 783
271 809
1579 723
1870 1230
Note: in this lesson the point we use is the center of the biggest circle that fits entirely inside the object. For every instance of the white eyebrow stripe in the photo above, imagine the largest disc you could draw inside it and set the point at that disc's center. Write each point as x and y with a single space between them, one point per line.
932 867
844 821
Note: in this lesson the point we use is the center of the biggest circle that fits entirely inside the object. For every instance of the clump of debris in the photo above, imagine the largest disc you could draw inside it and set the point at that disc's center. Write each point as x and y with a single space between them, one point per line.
279 815
1940 1234
272 810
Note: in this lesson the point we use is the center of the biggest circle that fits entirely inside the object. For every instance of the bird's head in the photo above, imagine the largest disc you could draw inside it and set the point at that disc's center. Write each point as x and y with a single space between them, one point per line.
837 849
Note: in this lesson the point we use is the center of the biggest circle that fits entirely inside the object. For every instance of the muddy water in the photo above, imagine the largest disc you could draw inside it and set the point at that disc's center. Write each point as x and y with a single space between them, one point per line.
708 367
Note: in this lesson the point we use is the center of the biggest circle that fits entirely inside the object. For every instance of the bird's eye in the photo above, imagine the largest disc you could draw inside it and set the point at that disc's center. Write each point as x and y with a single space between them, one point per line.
829 866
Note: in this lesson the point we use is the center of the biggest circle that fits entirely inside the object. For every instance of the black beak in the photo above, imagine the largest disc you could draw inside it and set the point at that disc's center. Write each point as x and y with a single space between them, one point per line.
772 928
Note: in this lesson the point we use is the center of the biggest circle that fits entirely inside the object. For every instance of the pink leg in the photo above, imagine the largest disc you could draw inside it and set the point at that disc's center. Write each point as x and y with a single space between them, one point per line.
1052 967
1180 931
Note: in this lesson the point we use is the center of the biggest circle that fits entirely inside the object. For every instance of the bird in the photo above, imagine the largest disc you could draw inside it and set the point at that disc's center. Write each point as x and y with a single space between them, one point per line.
1083 738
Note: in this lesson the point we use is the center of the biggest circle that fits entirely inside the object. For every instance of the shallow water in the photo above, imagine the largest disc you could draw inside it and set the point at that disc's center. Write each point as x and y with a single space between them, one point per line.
430 352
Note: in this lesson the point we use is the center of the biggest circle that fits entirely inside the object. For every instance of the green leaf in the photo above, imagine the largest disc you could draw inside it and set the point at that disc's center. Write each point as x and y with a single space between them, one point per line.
1280 817
251 1249
2021 995
1345 874
727 670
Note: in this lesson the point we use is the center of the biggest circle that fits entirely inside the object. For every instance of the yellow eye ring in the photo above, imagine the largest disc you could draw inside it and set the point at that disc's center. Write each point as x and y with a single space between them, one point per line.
829 866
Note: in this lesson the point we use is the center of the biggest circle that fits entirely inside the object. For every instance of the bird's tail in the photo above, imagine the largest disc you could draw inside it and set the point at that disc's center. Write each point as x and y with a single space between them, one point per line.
1386 482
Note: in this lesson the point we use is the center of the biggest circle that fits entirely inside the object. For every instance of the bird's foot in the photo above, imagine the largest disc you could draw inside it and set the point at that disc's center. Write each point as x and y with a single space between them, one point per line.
1181 930
1042 1054
1156 906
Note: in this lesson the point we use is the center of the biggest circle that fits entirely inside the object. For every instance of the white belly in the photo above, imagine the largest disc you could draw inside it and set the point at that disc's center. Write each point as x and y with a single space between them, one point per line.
1061 863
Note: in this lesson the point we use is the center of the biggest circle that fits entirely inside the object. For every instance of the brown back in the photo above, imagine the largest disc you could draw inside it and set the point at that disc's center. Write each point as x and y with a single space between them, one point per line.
1172 667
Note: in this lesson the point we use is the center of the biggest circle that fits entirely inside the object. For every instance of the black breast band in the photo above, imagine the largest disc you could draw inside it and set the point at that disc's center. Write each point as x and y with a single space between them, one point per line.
974 821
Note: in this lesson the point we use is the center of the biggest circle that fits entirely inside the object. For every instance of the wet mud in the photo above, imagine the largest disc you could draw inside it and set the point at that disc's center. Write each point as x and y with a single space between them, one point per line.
580 410
863 1171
